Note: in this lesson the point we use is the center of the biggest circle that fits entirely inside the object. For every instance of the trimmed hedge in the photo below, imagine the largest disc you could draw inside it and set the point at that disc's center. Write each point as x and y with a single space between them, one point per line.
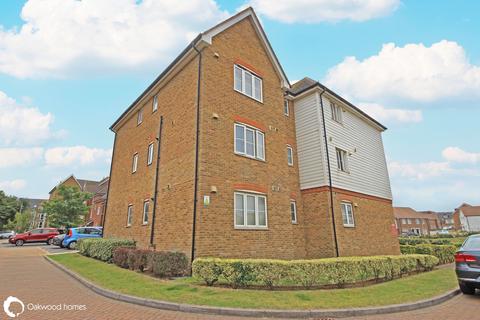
102 248
416 241
308 273
444 253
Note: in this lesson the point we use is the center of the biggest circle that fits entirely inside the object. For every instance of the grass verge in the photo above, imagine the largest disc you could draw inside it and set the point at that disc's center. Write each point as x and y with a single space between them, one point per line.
410 289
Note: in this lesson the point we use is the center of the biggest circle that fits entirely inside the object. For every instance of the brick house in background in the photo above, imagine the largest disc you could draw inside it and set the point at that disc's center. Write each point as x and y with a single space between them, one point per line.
467 218
445 219
38 219
407 220
97 204
221 156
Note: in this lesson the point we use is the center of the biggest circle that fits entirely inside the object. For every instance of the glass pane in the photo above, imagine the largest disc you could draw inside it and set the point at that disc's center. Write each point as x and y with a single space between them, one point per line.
250 210
258 89
145 211
238 79
344 214
262 218
250 142
248 84
293 211
290 155
260 146
239 210
285 107
239 139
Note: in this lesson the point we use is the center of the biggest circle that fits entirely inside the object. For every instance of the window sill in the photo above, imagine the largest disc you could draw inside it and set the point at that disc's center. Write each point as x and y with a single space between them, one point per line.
251 228
294 223
145 224
128 226
248 157
348 226
246 95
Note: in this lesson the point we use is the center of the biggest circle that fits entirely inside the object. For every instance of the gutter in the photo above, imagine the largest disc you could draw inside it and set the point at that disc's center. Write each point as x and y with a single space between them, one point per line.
155 193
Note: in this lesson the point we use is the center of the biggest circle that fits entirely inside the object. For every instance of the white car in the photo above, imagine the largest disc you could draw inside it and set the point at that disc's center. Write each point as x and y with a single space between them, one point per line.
6 234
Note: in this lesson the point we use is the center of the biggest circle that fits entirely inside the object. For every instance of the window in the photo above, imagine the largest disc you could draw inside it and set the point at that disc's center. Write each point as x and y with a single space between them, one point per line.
250 210
135 163
409 221
98 211
418 221
155 103
293 211
95 231
150 154
336 112
249 142
286 108
129 215
290 155
146 207
248 83
36 231
347 214
342 160
139 116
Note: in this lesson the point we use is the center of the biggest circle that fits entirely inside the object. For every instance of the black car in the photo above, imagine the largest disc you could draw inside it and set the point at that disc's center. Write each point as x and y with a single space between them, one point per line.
57 240
467 265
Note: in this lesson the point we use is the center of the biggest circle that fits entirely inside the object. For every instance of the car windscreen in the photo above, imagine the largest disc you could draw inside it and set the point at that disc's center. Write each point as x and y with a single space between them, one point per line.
472 244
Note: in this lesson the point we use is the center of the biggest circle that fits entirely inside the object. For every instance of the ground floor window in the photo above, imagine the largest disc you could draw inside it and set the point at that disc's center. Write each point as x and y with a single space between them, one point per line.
129 215
293 211
250 210
347 214
146 208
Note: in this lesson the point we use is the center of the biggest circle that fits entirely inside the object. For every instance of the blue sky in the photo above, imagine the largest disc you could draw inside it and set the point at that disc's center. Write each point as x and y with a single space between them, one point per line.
68 69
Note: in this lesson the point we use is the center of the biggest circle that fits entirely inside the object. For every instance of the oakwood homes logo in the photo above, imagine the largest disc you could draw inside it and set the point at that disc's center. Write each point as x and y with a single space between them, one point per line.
7 305
14 307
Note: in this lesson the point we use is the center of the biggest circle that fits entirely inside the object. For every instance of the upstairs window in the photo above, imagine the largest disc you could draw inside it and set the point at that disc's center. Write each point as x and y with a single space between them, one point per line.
293 211
249 142
347 214
289 155
129 215
146 208
286 108
135 163
342 160
139 116
250 210
336 112
248 83
150 154
155 103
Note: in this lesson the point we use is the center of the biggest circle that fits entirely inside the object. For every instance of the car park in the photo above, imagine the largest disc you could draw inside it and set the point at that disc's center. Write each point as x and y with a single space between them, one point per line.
35 235
75 234
467 265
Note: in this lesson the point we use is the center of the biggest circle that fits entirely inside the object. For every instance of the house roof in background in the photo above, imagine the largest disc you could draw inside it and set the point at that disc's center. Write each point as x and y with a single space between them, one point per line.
409 213
469 211
85 185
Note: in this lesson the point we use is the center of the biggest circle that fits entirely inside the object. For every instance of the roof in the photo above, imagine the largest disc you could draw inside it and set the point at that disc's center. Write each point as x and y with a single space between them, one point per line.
307 83
470 211
85 185
409 213
206 38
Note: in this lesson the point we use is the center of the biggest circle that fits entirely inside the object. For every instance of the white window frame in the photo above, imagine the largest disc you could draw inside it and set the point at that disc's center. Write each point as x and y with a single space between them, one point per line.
342 159
336 112
293 214
245 225
150 153
129 215
286 107
347 221
139 116
256 134
290 155
418 221
243 90
147 212
98 210
135 162
155 103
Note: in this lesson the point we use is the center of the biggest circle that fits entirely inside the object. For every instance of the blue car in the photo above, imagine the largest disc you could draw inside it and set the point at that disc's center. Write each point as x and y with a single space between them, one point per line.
75 234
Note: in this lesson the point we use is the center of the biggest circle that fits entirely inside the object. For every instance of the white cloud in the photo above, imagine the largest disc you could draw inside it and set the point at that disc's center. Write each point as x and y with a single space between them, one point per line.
76 156
11 186
22 125
313 11
414 72
384 114
455 154
419 171
60 37
17 157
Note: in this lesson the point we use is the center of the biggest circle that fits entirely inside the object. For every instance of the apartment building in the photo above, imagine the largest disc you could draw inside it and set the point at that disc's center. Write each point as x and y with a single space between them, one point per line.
222 156
410 221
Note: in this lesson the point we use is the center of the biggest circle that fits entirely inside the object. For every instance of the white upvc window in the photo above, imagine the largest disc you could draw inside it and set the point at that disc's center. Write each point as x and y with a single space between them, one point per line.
250 210
139 116
289 155
248 83
342 162
409 221
135 163
418 221
249 142
293 211
98 210
286 107
336 112
150 154
129 215
146 208
155 103
347 214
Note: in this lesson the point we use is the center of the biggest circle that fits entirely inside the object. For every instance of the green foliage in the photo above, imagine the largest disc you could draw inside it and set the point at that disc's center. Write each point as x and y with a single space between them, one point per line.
169 264
416 241
20 223
9 206
69 209
444 253
139 259
102 249
120 256
308 273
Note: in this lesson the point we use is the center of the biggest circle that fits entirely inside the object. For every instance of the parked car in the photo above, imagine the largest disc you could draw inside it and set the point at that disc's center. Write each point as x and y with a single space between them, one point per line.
6 234
57 240
75 234
467 265
35 235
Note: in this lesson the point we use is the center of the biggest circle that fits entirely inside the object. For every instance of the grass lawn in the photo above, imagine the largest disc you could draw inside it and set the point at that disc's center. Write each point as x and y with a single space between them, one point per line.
413 288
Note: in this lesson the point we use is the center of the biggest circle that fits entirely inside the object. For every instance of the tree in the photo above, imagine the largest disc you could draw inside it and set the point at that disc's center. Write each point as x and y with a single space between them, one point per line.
69 209
9 206
20 223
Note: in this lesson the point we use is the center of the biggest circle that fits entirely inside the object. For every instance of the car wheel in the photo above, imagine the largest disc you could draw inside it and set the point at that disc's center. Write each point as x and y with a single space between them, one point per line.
50 241
72 245
19 243
467 288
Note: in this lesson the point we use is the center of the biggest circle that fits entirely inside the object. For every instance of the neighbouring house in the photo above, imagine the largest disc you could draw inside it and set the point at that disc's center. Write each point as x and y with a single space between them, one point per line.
38 219
97 204
408 221
467 218
221 156
445 219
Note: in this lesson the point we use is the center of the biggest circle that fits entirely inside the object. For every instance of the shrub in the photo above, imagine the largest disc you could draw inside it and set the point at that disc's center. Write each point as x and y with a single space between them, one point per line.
444 253
307 273
120 256
101 248
169 264
139 259
417 241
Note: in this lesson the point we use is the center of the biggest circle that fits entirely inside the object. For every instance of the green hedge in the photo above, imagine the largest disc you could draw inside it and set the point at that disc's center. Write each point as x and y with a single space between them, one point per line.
102 249
308 273
417 241
444 253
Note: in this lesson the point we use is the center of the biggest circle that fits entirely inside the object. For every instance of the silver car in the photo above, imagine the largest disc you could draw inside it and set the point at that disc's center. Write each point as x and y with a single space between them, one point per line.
467 265
6 234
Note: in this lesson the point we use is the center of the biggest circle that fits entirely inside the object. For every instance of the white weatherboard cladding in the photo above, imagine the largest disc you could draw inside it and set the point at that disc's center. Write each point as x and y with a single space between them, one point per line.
470 223
367 168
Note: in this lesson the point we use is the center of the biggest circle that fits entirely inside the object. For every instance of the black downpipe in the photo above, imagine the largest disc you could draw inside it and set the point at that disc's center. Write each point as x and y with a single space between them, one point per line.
155 193
109 181
329 177
197 147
